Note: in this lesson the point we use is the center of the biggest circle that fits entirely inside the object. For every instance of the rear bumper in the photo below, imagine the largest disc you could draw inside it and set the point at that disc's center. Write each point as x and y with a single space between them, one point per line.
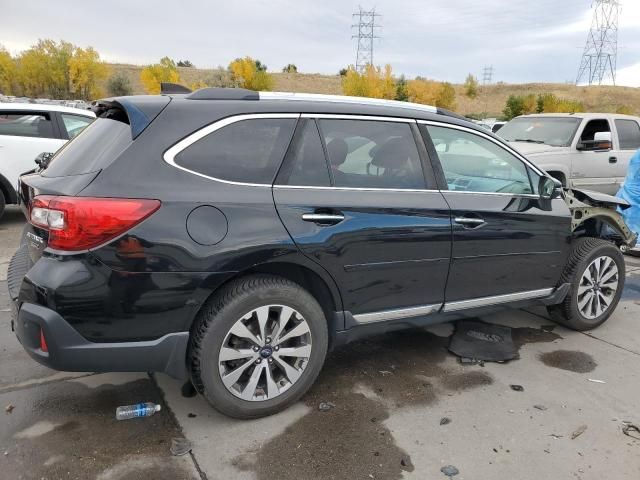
69 351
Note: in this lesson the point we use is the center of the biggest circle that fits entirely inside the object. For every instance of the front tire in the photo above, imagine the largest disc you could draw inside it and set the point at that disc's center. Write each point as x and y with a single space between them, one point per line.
257 346
596 272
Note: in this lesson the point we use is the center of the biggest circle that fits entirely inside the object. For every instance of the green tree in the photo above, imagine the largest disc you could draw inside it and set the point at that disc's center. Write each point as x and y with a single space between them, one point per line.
514 107
185 63
402 92
290 68
471 86
343 72
261 67
119 85
153 75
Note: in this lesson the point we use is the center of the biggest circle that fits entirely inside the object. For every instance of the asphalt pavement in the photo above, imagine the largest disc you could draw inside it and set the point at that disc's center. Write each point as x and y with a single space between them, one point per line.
399 406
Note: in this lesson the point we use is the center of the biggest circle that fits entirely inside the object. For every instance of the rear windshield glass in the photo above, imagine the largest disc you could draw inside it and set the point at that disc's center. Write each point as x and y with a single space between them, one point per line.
95 148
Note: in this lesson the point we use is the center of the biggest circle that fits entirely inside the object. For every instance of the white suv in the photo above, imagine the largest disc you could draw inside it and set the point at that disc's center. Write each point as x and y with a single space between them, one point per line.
26 131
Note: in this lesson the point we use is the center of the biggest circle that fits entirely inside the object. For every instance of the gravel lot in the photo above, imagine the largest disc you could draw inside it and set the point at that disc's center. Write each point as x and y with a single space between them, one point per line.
389 396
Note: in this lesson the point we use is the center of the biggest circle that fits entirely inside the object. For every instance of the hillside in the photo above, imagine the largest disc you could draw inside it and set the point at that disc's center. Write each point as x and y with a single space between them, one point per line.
491 98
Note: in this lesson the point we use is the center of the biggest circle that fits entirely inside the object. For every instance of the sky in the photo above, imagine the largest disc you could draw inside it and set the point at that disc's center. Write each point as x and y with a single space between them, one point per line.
524 40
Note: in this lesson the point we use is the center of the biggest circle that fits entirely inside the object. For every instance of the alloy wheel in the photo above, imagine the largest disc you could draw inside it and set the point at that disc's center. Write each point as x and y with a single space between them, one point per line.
265 352
597 288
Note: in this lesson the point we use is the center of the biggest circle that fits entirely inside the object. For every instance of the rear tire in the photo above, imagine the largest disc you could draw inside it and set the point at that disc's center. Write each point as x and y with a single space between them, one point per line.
3 204
246 328
596 272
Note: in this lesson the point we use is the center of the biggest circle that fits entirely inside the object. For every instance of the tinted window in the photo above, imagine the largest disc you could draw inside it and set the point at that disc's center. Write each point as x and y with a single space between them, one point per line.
372 154
593 127
305 163
74 124
628 134
474 164
26 124
95 148
248 151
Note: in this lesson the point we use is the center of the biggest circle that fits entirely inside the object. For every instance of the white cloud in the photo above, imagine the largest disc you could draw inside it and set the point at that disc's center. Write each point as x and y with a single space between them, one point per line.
629 76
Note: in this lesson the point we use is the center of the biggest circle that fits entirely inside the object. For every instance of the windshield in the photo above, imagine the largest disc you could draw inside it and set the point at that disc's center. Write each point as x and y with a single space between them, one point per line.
554 131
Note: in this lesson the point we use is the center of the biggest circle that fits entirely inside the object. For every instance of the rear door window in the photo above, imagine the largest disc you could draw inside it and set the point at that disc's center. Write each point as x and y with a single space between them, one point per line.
628 134
247 151
74 124
372 154
26 124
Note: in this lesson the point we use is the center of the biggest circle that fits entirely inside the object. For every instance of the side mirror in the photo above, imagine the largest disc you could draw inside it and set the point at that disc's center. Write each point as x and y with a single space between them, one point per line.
548 187
601 141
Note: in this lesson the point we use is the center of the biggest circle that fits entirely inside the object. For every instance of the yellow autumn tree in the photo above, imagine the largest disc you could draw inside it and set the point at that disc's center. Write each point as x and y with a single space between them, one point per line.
43 69
86 72
7 72
430 92
251 74
152 75
374 82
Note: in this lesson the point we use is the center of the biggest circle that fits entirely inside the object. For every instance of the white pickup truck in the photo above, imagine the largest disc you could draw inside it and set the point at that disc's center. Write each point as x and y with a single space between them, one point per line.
588 151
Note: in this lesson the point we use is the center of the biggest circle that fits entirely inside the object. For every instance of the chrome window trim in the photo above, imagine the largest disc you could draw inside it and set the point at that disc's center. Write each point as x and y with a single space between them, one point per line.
496 300
525 195
396 314
356 189
372 118
508 148
170 155
318 97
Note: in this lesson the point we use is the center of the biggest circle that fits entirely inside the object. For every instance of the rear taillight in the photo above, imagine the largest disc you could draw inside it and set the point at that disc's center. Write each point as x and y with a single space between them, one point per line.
80 223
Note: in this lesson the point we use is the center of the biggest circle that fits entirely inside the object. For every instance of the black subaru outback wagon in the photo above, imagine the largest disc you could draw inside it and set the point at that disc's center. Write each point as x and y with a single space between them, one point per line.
232 238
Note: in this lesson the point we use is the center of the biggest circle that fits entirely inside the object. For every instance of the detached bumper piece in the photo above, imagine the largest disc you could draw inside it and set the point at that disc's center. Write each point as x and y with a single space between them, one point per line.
67 350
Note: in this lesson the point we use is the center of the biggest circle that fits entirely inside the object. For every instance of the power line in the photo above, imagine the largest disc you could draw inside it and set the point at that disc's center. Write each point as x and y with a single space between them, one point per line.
600 56
366 31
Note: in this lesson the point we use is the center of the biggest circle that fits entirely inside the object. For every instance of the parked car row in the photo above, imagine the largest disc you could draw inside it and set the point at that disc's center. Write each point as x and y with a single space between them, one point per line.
232 238
29 129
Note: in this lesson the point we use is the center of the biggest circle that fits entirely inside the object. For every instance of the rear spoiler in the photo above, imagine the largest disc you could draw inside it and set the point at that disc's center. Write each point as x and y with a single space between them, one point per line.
137 111
167 88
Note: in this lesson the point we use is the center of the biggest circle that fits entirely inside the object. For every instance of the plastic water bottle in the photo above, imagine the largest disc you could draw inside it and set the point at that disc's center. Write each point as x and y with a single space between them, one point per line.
139 410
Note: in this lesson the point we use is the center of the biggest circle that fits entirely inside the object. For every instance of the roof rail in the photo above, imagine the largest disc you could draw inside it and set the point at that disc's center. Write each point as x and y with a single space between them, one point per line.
216 93
316 97
168 88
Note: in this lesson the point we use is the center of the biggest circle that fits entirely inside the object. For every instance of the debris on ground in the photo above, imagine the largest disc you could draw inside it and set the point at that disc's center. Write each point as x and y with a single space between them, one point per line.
445 421
540 407
579 431
9 408
555 435
405 461
180 446
595 380
384 373
471 361
481 341
138 410
517 388
631 430
191 415
188 390
326 406
450 471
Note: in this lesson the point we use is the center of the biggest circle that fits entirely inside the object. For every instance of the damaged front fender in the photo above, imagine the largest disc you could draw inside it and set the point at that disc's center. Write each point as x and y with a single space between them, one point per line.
586 206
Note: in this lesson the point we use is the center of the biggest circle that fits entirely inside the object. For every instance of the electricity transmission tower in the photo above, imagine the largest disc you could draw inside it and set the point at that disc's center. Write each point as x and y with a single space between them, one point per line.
366 31
487 75
599 59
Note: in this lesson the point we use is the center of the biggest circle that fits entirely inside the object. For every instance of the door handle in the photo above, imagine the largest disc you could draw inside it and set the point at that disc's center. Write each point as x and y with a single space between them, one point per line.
613 159
469 222
323 218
